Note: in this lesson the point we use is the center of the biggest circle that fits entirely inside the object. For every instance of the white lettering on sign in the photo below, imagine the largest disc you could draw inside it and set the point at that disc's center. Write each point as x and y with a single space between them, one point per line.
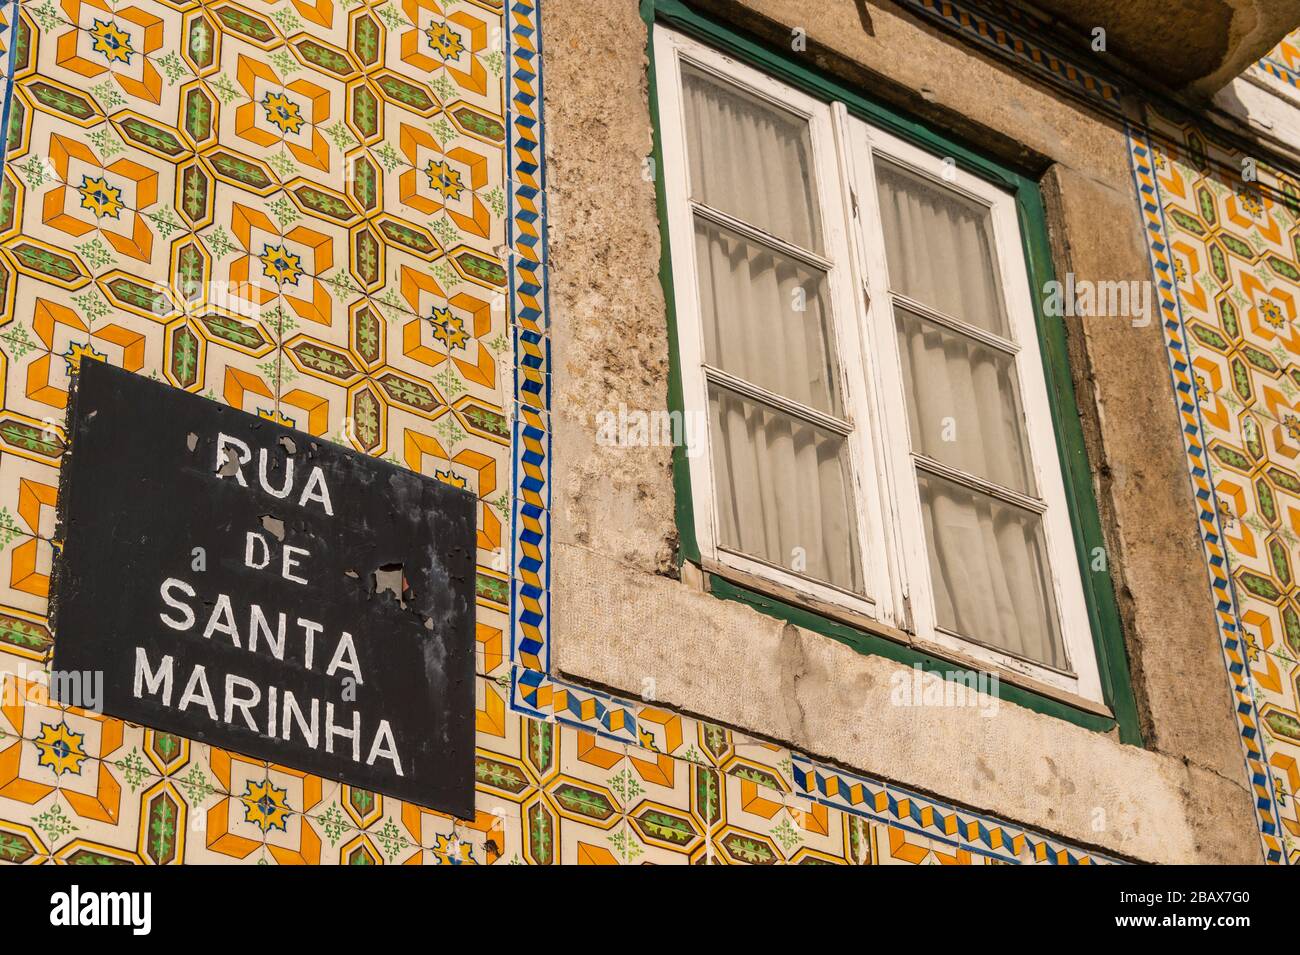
236 700
233 454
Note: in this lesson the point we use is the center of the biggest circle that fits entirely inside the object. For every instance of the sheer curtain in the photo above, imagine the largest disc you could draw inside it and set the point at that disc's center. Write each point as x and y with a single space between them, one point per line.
939 248
782 483
750 159
987 557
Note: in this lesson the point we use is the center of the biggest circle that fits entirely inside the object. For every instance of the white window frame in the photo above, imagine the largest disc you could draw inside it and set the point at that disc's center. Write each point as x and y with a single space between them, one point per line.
892 542
876 603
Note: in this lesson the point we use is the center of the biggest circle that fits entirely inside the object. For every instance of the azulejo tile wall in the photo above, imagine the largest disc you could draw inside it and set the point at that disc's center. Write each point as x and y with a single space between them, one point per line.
331 213
1224 238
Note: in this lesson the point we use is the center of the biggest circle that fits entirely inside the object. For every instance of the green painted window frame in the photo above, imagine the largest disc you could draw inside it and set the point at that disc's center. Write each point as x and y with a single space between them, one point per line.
1107 631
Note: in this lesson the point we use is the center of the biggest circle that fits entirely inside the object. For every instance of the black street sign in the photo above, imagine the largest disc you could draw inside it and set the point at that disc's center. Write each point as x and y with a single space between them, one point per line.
270 593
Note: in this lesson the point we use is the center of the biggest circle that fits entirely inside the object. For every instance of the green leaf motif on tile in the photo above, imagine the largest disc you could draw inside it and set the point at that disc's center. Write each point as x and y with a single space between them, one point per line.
185 357
317 54
626 845
18 339
393 17
1259 585
162 828
14 848
1208 336
37 171
1219 264
285 63
449 382
9 528
197 785
342 285
1205 201
173 66
288 21
500 775
749 850
450 432
1237 246
1186 222
491 588
31 438
283 164
333 822
164 221
234 331
1267 505
340 136
226 91
447 277
54 823
624 784
786 835
285 212
1281 565
1283 724
47 17
388 157
92 305
106 141
1228 315
319 358
1283 268
444 87
665 827
70 104
539 834
24 634
133 768
584 802
96 255
390 837
219 243
1291 626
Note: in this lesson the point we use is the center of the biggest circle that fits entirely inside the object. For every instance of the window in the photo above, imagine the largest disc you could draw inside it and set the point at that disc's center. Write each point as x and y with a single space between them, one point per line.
855 324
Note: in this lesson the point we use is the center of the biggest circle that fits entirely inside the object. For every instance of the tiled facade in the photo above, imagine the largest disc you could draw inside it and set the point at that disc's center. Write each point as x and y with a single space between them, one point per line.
332 213
1225 253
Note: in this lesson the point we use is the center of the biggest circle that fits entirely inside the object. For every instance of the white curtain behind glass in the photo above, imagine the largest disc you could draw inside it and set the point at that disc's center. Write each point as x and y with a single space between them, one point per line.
939 248
987 559
750 159
783 491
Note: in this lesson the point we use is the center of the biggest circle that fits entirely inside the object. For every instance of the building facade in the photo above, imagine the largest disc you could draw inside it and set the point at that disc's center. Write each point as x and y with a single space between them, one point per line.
883 416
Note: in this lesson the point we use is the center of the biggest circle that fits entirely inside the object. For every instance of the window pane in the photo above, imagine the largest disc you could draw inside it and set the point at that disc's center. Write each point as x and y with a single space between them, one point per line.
989 565
939 248
766 317
783 490
750 159
963 403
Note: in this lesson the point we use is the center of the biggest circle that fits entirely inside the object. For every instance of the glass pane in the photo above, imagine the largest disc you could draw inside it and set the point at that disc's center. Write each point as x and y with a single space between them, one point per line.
939 248
750 159
783 490
989 566
766 317
963 403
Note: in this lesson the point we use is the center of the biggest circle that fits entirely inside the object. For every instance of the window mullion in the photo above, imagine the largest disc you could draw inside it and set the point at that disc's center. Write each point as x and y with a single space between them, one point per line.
755 234
974 483
795 409
964 329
